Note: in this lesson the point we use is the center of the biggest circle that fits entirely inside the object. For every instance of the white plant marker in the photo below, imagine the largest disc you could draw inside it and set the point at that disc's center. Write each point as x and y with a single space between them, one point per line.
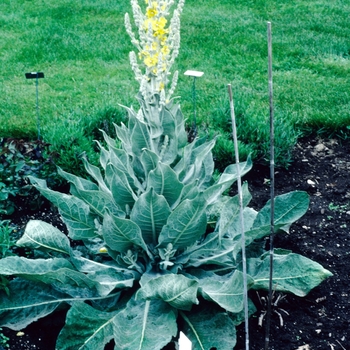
184 342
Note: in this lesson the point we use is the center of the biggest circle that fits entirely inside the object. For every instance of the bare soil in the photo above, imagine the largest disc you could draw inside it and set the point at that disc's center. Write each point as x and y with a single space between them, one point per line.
318 321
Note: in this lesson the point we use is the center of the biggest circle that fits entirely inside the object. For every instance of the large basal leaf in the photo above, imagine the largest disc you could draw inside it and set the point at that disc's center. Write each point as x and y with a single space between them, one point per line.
209 329
226 291
41 235
211 251
289 207
27 302
185 224
86 328
150 213
57 272
109 279
75 212
291 273
176 290
165 182
144 325
121 234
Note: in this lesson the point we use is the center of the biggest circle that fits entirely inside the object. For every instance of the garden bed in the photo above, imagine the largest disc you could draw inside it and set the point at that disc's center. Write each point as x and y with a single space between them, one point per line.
319 320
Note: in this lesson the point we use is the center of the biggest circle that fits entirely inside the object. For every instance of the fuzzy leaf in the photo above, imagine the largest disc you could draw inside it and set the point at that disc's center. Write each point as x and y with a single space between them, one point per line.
289 207
28 301
95 328
75 212
226 291
176 290
57 272
165 182
41 235
227 178
291 273
185 224
144 325
150 213
121 189
209 329
121 234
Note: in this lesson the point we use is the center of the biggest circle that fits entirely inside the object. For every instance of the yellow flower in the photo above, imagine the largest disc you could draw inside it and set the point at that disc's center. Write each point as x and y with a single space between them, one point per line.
165 50
151 12
161 86
151 61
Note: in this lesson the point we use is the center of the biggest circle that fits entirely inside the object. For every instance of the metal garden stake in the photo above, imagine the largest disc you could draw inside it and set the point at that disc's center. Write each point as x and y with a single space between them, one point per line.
272 183
240 196
194 74
36 76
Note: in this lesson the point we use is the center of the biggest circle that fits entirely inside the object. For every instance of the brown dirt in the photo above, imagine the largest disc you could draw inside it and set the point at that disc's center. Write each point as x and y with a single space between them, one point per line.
318 321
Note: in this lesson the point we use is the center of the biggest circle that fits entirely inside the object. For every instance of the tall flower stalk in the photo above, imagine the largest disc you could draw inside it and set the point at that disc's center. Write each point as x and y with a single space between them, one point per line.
157 44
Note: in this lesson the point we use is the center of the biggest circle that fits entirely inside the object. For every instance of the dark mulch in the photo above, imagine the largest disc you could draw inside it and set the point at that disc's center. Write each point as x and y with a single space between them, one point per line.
321 319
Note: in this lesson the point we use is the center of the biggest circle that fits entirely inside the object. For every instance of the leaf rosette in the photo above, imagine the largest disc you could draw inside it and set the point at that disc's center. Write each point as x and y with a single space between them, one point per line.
152 239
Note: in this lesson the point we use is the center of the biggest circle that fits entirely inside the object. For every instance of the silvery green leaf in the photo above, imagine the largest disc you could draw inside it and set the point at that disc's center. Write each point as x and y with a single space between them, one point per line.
291 273
121 190
185 224
149 160
121 234
41 235
109 279
75 212
77 181
289 207
27 302
196 154
124 136
227 178
211 251
104 155
176 290
226 292
57 272
95 328
140 138
99 201
150 213
165 182
209 329
229 217
95 172
120 160
144 325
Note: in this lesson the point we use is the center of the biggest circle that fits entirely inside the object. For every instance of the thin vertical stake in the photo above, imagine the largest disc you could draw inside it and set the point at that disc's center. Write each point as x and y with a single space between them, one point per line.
194 126
240 196
37 104
272 184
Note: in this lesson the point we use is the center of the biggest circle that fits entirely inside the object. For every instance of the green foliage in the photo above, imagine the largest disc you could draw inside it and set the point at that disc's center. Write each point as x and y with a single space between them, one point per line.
72 138
6 240
224 39
141 261
4 340
18 160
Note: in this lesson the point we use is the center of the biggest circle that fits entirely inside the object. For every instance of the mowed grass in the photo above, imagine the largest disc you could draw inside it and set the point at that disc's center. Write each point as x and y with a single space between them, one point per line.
82 47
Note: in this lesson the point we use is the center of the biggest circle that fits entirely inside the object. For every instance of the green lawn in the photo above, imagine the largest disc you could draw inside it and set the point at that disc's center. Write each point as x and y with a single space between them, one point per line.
82 47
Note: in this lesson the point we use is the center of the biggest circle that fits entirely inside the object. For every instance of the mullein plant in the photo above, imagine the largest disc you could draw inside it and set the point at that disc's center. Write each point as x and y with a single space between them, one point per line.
154 244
